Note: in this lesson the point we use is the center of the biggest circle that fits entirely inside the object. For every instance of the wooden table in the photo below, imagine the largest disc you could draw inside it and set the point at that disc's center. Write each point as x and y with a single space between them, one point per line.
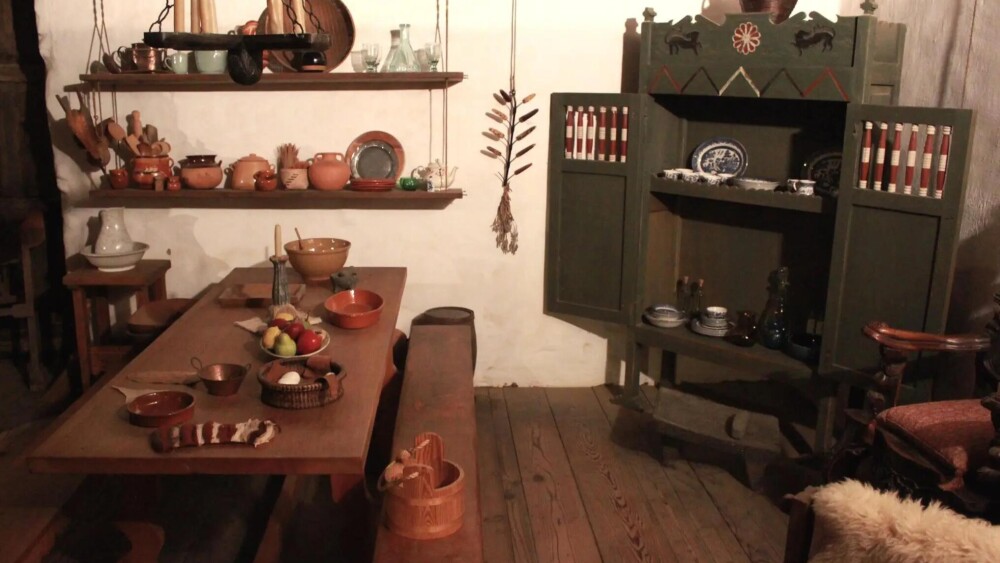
94 436
90 304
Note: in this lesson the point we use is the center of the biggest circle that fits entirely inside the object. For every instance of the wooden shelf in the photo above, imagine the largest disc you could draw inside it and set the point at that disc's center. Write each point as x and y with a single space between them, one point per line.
595 167
169 82
682 341
279 199
807 204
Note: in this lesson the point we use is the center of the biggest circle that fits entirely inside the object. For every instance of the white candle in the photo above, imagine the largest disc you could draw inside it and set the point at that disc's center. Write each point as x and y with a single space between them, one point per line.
179 16
275 17
300 14
195 16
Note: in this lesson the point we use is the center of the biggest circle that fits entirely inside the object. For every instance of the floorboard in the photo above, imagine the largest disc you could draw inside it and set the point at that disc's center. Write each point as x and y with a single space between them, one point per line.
513 492
622 524
559 521
498 546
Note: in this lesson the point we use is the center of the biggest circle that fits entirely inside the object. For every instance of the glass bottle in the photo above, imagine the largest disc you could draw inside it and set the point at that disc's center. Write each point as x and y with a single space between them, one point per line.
697 295
393 47
773 327
404 60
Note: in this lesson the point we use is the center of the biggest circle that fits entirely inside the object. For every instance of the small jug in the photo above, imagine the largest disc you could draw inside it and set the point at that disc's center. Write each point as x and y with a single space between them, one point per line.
113 238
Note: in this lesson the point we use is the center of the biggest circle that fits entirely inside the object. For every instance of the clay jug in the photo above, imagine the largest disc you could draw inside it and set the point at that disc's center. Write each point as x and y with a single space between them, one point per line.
113 238
329 171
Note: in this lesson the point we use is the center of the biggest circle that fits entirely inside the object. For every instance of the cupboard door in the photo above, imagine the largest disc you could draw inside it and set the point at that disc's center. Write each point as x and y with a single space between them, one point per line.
592 228
899 208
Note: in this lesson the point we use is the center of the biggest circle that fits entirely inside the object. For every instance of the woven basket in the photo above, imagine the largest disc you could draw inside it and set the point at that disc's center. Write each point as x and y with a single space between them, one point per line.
319 387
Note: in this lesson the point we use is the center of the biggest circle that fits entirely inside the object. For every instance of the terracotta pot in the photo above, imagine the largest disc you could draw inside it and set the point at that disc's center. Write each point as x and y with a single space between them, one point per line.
294 178
201 177
329 171
118 178
780 9
174 183
266 180
242 171
146 168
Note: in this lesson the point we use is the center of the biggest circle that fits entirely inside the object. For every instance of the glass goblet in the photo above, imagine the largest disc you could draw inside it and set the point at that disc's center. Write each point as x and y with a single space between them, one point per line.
370 55
433 51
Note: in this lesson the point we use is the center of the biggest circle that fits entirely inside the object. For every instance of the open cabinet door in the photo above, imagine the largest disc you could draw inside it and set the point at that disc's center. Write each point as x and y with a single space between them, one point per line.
593 229
897 226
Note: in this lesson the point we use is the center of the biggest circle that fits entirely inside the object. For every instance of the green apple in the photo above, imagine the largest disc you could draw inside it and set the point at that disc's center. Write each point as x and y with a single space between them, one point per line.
284 345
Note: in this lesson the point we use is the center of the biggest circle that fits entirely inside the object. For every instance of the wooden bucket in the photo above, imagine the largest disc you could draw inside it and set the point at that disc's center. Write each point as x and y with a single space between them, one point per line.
416 510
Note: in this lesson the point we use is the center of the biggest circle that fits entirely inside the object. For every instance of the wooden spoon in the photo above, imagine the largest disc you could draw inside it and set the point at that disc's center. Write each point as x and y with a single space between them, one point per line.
299 236
145 149
133 144
116 131
136 124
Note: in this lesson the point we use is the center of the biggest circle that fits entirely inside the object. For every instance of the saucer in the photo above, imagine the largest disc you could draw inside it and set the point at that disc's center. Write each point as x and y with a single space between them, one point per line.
698 328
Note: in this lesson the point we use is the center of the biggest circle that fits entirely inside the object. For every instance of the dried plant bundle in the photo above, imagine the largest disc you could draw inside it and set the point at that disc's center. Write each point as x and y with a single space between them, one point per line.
288 157
506 151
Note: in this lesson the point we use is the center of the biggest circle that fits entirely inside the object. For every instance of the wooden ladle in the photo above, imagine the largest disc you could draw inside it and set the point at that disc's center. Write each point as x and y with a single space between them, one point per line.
299 237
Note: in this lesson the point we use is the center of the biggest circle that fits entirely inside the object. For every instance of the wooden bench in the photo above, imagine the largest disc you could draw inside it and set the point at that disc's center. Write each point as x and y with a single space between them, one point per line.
437 396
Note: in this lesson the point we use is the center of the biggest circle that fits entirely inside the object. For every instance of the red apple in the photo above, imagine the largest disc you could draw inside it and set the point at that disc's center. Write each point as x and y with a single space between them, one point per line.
309 341
294 329
280 323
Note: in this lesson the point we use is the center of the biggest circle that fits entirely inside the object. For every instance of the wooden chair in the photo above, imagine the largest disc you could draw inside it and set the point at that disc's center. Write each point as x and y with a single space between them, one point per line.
938 450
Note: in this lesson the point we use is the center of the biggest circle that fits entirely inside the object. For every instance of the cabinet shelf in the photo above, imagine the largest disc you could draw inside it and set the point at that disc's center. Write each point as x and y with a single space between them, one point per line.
682 341
169 82
807 204
279 199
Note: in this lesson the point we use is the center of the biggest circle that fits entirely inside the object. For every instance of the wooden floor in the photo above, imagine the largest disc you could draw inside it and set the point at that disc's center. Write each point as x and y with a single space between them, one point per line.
567 476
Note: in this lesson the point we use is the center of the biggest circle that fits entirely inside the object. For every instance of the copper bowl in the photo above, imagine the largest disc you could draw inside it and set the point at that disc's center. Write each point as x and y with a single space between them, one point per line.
354 308
316 259
161 408
220 380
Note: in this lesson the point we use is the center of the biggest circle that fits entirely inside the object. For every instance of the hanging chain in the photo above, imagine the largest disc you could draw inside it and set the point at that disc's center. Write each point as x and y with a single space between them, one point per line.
437 22
291 17
158 24
308 7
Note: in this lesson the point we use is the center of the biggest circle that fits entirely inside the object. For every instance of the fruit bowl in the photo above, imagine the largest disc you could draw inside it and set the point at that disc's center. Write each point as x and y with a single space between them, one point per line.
316 259
326 342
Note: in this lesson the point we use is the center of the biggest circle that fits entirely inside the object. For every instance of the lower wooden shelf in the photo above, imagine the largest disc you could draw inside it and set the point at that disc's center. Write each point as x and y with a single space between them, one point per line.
278 199
807 204
682 341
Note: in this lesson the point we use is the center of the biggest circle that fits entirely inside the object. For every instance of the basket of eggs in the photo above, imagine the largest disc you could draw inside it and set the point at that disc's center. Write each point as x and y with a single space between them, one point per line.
301 383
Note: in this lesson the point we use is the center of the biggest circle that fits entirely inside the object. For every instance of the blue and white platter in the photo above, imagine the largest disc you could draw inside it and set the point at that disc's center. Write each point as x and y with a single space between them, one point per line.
720 155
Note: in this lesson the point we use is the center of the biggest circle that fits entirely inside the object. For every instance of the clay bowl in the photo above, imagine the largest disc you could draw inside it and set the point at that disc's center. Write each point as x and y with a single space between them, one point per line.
161 408
221 380
354 308
318 258
201 177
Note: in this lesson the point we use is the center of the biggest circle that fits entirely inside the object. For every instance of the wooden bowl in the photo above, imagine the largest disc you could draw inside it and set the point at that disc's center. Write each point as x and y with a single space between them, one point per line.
318 258
161 408
354 308
220 380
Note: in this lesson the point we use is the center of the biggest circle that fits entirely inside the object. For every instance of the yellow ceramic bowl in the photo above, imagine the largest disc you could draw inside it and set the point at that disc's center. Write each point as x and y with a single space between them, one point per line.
318 258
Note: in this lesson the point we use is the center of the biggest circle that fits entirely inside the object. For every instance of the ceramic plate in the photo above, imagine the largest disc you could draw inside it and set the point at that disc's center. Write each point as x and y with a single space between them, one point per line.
824 168
697 327
326 342
336 20
720 155
376 155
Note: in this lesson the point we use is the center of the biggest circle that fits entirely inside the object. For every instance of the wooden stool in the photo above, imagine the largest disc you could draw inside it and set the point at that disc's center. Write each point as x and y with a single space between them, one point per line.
90 303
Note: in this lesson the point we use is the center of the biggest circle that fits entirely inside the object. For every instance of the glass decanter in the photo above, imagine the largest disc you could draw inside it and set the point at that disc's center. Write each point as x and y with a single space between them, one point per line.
404 59
773 326
393 47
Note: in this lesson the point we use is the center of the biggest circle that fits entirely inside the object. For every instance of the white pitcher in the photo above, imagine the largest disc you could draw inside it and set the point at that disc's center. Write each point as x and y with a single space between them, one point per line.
113 238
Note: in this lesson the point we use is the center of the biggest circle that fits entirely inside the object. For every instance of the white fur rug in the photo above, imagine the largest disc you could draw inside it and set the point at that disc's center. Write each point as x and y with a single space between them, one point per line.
856 523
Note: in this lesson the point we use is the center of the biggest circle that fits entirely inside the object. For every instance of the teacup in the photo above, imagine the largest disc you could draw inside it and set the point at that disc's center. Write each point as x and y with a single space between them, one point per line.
714 316
210 62
177 63
807 187
689 175
711 179
792 184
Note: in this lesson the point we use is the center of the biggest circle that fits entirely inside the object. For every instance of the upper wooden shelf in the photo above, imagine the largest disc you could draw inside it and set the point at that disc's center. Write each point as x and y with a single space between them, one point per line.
279 199
762 198
169 82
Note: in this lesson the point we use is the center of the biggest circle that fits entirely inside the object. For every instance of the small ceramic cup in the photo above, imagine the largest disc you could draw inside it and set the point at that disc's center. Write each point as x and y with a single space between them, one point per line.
711 179
807 187
726 178
173 183
714 316
689 175
118 178
210 62
792 184
177 63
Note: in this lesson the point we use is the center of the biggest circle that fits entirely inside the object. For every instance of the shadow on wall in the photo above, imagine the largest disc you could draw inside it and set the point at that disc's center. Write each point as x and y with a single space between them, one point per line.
976 278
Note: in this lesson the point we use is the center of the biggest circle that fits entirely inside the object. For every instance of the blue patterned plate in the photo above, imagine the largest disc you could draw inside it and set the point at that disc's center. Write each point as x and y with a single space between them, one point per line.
720 155
824 168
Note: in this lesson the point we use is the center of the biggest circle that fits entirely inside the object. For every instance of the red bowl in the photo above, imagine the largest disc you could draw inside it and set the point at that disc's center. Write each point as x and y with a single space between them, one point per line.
354 308
161 408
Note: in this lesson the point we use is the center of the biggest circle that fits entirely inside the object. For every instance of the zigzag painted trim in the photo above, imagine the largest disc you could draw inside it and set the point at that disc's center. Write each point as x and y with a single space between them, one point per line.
819 80
664 71
775 78
742 71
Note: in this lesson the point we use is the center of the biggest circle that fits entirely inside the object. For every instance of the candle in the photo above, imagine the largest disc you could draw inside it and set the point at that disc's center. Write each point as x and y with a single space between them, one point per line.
277 240
943 161
911 161
602 125
179 16
866 156
275 17
925 171
195 16
300 14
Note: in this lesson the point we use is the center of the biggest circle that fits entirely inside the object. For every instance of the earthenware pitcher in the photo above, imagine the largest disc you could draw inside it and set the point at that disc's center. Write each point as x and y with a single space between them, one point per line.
113 238
329 171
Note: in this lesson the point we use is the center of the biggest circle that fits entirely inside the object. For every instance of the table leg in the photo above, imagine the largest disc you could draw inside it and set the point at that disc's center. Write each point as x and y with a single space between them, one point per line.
158 291
269 550
102 316
142 297
82 319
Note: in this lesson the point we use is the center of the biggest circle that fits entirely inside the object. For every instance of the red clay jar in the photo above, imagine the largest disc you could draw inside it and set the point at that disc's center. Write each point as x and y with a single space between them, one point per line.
174 183
118 178
329 171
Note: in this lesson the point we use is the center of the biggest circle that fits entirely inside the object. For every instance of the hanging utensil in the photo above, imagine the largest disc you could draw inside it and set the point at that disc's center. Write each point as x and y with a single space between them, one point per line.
133 144
115 131
152 135
136 124
299 237
162 146
145 149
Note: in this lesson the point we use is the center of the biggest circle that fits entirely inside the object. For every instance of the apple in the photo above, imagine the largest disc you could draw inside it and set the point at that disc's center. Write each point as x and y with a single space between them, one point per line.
284 345
280 323
309 341
294 329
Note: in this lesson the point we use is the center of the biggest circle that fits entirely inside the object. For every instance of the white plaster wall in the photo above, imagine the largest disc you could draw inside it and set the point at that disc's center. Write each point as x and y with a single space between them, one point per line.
564 45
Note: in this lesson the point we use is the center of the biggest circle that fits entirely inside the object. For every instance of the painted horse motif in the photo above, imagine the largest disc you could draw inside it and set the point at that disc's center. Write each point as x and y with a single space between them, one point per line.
805 39
678 40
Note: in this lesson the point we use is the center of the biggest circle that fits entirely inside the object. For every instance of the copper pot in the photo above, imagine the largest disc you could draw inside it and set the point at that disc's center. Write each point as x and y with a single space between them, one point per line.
779 9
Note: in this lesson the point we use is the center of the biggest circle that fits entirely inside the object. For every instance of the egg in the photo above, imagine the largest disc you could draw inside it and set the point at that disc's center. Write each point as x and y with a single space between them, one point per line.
290 378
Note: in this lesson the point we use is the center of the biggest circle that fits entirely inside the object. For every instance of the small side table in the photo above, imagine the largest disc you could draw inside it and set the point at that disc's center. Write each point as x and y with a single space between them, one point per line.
90 305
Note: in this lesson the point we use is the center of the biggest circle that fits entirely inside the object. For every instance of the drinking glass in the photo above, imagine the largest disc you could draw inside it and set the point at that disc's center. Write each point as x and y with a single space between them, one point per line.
433 51
371 56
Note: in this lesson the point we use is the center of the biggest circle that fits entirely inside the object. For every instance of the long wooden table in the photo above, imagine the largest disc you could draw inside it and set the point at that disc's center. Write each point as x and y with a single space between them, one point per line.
94 436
